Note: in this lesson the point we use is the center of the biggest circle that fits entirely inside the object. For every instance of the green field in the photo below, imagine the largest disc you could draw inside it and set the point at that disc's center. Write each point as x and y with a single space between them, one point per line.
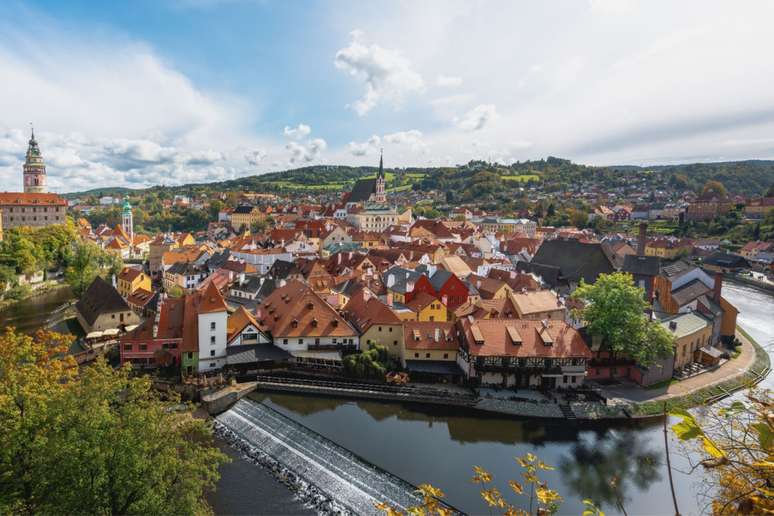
522 178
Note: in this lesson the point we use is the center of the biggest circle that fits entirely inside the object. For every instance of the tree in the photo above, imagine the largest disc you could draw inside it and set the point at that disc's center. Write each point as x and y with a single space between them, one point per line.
82 267
614 311
95 440
372 363
713 188
736 443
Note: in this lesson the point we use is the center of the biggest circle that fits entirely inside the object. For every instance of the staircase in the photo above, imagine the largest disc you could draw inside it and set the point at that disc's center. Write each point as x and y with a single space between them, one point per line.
567 411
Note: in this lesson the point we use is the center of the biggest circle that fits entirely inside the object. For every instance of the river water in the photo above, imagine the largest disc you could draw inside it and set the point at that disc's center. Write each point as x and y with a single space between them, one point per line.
440 446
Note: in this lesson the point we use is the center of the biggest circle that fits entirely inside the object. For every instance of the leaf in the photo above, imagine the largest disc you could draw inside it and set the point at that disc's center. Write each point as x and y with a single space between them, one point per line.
516 487
431 491
482 476
542 465
492 497
546 495
712 449
687 429
530 457
765 435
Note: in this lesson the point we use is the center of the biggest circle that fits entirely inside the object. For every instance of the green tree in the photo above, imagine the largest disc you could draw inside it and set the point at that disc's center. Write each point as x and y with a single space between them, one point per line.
614 311
95 440
83 267
374 362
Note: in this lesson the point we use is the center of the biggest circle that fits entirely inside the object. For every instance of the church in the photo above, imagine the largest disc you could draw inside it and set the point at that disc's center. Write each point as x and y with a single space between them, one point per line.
369 190
34 207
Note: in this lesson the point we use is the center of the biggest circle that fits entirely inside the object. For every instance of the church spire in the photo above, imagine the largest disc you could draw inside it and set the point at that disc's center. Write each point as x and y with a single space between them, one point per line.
381 163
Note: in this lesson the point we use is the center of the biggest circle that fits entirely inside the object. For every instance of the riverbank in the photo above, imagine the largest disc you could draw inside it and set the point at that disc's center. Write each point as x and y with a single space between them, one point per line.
40 289
755 371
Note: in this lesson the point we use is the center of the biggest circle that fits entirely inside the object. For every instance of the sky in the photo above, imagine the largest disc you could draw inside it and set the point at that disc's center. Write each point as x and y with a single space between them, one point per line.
144 92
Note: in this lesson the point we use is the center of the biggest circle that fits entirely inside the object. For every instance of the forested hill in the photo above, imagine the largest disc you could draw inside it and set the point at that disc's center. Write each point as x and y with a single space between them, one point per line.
478 180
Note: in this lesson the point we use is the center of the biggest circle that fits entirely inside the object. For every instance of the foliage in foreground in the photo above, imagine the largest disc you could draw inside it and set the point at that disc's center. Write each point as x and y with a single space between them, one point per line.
736 444
615 311
542 499
94 441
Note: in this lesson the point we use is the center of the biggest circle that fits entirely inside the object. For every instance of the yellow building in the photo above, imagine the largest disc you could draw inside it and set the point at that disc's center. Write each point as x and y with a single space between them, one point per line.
428 308
130 279
428 341
668 249
691 332
245 216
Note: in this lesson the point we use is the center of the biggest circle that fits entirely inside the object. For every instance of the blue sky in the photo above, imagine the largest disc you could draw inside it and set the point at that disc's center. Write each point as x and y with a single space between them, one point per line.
140 92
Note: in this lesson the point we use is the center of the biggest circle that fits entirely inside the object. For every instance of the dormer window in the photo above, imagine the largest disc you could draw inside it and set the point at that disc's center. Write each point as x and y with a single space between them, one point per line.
294 324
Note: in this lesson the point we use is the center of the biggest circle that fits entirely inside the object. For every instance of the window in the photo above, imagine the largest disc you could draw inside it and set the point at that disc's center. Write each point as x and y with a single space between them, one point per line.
143 347
394 342
380 328
285 342
212 340
445 355
573 379
390 329
212 325
128 347
416 355
300 341
212 364
212 352
317 341
427 355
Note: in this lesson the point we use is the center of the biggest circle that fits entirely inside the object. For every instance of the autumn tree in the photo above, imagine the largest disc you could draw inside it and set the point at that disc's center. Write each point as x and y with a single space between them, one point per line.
614 310
95 441
736 447
82 267
713 188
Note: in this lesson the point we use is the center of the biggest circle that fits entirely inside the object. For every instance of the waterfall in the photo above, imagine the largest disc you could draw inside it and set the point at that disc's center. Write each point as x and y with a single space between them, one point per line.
326 476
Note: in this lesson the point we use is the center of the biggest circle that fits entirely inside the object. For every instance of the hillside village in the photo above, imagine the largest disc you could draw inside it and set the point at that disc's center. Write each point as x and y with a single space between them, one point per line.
471 298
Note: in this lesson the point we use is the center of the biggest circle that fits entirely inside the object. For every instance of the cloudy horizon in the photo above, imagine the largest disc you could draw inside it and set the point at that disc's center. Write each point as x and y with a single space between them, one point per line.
179 91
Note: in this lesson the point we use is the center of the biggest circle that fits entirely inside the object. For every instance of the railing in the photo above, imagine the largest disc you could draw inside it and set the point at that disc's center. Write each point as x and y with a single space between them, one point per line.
359 386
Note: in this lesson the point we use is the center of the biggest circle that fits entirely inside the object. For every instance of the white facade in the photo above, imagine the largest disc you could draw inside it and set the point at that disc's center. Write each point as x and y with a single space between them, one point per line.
291 344
212 341
263 259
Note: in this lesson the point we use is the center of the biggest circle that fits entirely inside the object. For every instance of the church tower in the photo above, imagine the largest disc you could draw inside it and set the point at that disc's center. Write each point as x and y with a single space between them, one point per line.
379 196
34 168
127 221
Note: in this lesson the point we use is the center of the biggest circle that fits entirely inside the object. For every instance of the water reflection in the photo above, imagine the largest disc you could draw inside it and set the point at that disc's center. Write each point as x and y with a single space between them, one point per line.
607 469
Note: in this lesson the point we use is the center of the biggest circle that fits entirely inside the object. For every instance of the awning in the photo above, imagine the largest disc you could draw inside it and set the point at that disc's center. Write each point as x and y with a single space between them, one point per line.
445 367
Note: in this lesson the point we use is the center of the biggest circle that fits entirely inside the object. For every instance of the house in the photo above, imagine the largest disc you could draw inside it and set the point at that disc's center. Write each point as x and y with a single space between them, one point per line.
375 321
500 308
519 353
644 270
245 217
489 288
724 262
751 249
429 351
563 263
102 308
539 305
205 322
668 248
248 348
427 307
691 332
184 275
252 290
303 324
441 284
681 287
131 279
142 301
759 208
157 341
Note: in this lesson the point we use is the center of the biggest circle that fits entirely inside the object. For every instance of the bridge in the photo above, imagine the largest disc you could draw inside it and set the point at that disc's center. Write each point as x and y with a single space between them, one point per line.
339 474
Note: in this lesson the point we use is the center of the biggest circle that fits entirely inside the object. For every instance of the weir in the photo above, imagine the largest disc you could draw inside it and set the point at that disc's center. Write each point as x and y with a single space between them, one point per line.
341 475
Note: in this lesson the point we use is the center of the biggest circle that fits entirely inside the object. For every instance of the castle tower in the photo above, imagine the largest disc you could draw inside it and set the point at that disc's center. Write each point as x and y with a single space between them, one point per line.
34 168
379 195
127 222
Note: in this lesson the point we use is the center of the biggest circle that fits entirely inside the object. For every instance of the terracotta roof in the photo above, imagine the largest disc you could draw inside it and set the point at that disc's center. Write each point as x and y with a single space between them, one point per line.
32 199
521 338
211 300
140 297
364 313
129 274
296 311
537 301
171 318
420 301
430 336
502 308
238 321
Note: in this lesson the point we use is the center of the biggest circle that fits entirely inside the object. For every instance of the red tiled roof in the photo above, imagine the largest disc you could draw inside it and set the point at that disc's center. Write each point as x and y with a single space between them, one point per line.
31 199
496 337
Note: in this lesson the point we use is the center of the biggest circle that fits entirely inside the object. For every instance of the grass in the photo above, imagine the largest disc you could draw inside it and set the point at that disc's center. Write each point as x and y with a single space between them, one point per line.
702 396
663 383
522 178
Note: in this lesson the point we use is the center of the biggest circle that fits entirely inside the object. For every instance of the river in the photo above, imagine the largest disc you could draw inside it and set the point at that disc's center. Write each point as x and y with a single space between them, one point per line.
440 446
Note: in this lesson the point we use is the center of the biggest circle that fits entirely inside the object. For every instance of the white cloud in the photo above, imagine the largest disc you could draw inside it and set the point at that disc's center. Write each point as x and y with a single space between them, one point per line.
387 74
362 149
478 117
447 81
255 157
297 133
307 152
411 137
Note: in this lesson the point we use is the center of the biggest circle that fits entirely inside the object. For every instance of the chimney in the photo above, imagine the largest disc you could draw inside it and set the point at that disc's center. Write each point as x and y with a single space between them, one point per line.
445 300
338 258
437 335
673 325
642 240
718 287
